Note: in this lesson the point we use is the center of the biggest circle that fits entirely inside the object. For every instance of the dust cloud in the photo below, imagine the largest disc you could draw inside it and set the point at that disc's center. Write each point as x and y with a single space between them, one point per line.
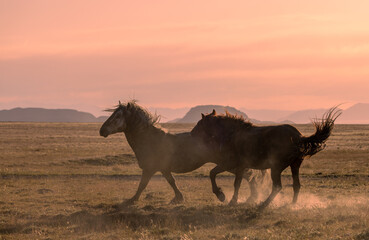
306 200
312 201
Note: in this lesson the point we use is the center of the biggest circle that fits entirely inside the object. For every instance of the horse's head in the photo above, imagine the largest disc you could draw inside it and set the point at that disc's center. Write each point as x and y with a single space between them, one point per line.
206 128
117 122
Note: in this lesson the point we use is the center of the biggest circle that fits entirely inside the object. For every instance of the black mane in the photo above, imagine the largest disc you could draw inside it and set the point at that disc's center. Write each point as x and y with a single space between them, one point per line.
234 119
139 115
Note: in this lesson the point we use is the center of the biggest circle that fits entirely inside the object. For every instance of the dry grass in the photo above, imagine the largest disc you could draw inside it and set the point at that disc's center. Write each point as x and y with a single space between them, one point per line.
62 181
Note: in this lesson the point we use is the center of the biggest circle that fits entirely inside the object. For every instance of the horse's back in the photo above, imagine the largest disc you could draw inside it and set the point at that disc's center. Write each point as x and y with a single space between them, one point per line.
277 131
269 133
261 144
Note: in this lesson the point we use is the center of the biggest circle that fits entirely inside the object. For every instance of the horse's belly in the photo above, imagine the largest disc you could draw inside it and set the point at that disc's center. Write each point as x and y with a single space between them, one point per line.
185 168
256 163
187 159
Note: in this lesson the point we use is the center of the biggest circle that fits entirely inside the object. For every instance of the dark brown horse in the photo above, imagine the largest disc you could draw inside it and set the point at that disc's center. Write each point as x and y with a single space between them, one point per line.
158 151
242 145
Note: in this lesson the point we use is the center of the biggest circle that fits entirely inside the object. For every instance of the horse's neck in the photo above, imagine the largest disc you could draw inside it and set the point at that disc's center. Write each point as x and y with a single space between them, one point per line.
224 131
140 138
228 130
231 130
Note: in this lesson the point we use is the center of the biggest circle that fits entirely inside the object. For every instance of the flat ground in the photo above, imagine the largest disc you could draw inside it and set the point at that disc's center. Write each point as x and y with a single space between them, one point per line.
62 181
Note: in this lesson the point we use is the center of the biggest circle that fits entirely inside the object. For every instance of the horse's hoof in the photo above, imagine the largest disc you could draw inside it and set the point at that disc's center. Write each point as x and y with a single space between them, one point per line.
262 206
232 202
128 202
121 206
117 206
177 200
221 196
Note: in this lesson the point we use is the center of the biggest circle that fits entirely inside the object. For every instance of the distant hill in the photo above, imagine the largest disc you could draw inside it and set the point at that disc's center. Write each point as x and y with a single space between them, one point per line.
102 118
47 115
272 115
304 116
356 114
169 114
194 114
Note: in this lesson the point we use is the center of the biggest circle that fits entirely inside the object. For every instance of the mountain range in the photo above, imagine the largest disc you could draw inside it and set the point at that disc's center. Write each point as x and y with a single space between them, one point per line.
194 114
356 114
47 115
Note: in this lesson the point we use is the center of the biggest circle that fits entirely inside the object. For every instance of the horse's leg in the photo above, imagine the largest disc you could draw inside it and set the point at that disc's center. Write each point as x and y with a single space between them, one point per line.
277 186
248 175
237 184
263 175
250 178
178 198
145 178
263 182
295 167
253 191
216 190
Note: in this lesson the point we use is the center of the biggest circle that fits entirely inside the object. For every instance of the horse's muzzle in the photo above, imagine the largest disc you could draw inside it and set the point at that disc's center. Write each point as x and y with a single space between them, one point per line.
103 133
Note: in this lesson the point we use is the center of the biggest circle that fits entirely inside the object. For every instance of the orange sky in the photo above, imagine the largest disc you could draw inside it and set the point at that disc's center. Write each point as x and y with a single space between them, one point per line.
255 54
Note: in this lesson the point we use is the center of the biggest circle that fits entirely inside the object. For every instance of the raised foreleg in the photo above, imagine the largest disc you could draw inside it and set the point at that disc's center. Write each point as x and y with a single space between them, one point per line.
217 190
178 198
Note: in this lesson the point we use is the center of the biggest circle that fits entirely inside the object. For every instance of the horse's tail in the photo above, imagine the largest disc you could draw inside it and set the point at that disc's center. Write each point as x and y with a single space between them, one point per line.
316 142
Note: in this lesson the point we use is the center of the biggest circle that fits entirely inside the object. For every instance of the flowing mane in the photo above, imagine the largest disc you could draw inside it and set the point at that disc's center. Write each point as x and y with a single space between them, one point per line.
238 120
139 115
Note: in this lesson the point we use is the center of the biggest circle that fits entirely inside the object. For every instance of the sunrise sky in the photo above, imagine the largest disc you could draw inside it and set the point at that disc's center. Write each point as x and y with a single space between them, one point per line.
88 54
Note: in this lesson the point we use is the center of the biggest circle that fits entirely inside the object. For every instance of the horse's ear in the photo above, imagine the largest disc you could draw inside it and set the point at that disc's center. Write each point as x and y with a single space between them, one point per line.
128 105
214 112
120 103
202 116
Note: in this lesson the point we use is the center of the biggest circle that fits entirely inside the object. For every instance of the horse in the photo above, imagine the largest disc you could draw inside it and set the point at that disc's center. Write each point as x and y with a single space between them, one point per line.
242 145
159 151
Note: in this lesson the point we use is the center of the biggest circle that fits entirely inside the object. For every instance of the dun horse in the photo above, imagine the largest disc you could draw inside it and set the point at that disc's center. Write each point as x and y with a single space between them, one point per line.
158 151
243 145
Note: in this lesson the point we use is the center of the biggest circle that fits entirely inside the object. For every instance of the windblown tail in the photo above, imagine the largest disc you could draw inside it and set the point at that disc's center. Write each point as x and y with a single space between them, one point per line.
316 142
